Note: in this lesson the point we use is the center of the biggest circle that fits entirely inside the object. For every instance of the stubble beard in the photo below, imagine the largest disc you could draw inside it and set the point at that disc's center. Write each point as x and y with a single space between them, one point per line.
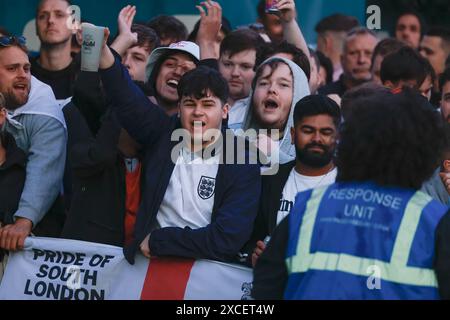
13 102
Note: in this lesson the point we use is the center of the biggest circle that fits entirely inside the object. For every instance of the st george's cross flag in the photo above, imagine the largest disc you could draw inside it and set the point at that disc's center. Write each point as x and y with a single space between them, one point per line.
58 269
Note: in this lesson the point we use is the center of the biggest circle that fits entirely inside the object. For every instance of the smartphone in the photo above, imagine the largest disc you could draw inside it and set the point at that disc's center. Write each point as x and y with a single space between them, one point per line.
270 7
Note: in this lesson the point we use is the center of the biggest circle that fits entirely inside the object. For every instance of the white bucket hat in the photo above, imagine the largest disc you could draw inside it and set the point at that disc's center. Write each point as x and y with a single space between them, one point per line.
184 46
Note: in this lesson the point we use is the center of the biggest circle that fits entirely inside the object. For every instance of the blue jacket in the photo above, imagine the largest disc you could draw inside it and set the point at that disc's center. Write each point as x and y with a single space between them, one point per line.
237 188
40 130
363 241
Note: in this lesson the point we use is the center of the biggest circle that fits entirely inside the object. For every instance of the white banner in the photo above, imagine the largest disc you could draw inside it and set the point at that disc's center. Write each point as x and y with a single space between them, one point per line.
58 269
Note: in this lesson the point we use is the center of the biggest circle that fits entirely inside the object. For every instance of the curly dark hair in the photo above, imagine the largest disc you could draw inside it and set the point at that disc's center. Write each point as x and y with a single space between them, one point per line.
392 140
358 95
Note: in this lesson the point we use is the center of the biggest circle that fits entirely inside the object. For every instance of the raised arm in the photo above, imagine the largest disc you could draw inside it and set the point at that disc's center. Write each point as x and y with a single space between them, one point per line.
210 24
126 38
143 120
291 30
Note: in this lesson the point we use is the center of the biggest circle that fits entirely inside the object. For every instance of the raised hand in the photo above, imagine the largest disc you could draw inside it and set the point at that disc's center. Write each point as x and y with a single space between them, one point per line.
210 25
126 38
291 29
106 58
125 21
287 11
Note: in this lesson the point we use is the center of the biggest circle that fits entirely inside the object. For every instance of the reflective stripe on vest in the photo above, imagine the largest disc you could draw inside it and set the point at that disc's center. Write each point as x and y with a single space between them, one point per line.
396 271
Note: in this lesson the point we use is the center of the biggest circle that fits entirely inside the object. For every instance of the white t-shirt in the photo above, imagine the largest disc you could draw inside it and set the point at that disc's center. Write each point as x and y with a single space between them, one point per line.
298 183
189 198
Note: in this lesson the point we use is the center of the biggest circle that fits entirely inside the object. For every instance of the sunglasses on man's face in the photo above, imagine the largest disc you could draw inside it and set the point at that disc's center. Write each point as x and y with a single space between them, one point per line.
7 41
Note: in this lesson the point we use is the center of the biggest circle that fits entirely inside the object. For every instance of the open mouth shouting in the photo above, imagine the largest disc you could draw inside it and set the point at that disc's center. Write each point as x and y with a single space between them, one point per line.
198 124
172 83
270 104
21 88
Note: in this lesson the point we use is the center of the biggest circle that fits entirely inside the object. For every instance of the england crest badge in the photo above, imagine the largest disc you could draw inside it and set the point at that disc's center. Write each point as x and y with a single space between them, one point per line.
206 187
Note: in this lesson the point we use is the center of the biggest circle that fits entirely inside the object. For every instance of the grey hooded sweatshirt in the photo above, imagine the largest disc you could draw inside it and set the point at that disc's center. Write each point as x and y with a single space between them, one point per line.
301 90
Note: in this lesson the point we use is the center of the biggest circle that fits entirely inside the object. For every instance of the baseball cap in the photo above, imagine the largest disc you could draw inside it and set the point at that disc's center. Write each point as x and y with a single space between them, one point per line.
183 46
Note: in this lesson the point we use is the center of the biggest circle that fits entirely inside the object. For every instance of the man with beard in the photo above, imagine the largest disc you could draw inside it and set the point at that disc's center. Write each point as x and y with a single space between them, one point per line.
316 122
445 111
373 220
37 124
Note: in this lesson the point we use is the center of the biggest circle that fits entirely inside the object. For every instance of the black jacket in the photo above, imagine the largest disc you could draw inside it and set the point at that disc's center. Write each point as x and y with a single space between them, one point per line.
97 209
266 220
12 179
237 187
94 167
271 274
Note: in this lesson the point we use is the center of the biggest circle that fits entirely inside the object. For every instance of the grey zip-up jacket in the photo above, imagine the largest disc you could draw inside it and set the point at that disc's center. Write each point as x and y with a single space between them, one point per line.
40 130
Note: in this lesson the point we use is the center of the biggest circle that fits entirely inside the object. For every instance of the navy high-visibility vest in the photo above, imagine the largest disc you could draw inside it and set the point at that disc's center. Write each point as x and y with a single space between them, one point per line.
362 241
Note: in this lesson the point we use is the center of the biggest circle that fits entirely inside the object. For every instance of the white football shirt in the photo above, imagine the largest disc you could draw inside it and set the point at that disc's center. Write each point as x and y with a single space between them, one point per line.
189 198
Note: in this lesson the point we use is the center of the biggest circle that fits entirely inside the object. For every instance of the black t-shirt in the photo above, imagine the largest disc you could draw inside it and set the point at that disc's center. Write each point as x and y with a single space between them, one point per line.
62 81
